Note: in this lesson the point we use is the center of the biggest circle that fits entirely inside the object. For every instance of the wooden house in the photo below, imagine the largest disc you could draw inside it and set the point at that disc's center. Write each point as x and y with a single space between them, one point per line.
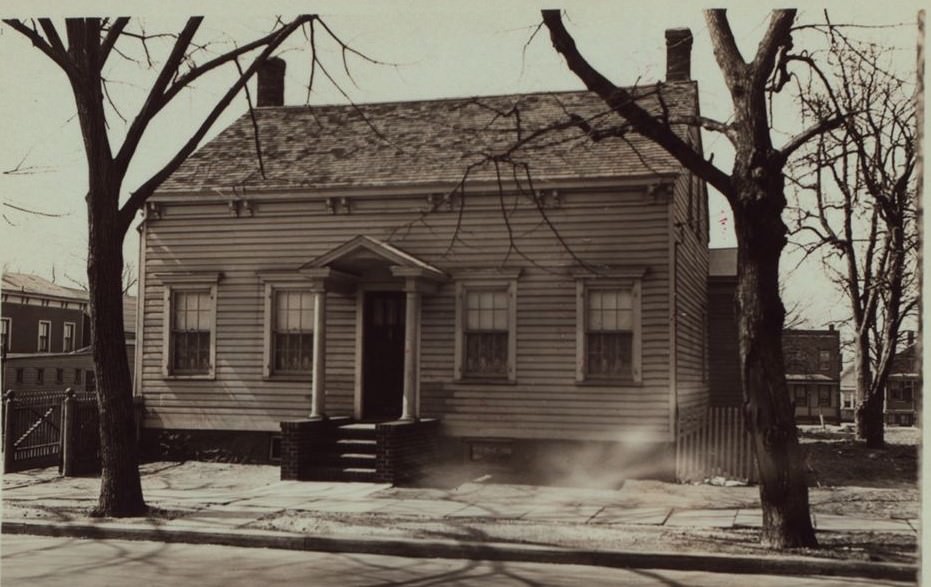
366 276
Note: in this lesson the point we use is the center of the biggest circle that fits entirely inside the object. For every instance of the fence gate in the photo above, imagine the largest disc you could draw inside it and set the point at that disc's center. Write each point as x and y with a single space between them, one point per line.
31 430
34 424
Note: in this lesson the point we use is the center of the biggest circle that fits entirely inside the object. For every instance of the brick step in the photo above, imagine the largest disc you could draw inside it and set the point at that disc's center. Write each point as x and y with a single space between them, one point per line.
361 445
356 431
348 460
366 474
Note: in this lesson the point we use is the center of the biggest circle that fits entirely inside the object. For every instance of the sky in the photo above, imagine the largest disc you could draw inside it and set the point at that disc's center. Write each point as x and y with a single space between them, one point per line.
428 50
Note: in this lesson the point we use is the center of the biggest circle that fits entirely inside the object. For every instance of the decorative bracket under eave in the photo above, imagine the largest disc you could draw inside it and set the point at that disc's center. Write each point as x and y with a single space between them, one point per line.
660 192
241 208
153 210
548 198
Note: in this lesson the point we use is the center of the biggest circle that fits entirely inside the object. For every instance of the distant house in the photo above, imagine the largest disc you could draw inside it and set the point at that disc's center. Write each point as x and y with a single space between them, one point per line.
848 394
39 316
902 396
812 357
46 335
813 364
348 278
903 388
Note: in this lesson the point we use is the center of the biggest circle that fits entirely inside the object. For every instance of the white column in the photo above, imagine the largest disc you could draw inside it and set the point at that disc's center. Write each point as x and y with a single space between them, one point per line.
409 406
317 409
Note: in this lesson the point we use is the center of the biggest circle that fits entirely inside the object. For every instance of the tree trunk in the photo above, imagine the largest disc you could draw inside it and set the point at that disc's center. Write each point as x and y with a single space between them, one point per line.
769 411
869 412
120 485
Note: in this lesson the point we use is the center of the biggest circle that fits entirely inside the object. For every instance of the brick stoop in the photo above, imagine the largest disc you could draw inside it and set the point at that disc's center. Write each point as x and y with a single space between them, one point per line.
339 449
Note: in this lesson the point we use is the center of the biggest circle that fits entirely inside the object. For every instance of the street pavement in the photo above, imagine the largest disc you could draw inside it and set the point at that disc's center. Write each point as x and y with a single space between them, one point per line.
227 504
32 561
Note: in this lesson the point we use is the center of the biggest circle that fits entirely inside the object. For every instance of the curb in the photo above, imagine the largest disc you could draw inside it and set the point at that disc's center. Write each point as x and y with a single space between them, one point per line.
492 551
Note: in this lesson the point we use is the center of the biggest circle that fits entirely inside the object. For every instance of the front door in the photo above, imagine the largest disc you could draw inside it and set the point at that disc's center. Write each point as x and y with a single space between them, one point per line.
382 355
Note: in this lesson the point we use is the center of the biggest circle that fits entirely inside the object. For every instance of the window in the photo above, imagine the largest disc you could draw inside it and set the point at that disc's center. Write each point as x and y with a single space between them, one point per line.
91 381
77 375
67 339
45 330
485 329
40 376
801 395
608 337
20 375
189 325
824 396
5 328
907 391
848 401
895 391
824 360
291 336
486 333
190 331
59 375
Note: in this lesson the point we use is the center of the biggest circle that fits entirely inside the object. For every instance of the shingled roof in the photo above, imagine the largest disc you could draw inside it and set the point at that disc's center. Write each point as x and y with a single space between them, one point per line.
426 142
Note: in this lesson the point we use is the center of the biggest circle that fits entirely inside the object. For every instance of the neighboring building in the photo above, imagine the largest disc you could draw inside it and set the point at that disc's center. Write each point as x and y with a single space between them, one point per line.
349 277
813 364
39 316
812 357
848 394
902 396
47 339
724 363
903 387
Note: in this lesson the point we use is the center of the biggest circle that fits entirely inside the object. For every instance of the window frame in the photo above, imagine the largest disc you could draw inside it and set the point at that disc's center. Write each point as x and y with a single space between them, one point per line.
822 390
299 284
500 281
40 375
824 360
64 336
801 387
48 342
182 283
585 285
78 376
6 337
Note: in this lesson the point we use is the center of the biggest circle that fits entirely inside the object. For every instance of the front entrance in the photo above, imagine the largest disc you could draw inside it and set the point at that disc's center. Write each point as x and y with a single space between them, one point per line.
382 355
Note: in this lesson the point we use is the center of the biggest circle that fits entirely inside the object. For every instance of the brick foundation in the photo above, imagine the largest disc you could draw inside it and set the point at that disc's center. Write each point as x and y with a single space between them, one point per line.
404 449
303 441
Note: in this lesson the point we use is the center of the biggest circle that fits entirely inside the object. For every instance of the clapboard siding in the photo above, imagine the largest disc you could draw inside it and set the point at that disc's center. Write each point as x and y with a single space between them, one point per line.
617 228
691 293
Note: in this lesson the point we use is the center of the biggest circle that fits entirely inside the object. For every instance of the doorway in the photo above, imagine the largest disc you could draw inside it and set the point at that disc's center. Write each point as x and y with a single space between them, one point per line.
383 318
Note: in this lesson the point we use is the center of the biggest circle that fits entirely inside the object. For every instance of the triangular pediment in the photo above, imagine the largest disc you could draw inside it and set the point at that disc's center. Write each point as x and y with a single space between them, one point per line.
364 253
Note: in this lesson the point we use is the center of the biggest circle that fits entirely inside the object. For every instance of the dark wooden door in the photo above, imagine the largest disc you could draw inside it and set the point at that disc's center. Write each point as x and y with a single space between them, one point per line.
383 355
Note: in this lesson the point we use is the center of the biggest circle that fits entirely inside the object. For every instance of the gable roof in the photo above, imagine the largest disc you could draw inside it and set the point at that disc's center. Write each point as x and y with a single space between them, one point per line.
33 284
427 142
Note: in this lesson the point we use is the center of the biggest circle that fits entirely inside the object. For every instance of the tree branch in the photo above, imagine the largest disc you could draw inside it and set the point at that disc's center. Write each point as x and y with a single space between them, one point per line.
624 104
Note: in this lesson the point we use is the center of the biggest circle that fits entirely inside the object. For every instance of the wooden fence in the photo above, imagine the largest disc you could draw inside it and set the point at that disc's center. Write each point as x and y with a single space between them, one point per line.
36 425
713 442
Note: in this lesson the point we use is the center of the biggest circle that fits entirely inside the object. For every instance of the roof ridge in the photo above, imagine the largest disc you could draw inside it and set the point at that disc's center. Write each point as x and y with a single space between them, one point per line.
465 97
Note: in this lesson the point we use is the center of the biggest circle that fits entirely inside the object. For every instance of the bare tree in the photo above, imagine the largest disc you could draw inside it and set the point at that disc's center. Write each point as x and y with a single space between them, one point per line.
82 53
856 206
755 190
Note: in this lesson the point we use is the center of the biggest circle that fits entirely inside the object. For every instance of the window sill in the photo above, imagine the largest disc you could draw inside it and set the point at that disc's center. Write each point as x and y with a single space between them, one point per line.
190 377
609 382
485 381
294 377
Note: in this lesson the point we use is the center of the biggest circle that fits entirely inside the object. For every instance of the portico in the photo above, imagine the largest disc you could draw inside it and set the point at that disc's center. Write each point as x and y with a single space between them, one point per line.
389 285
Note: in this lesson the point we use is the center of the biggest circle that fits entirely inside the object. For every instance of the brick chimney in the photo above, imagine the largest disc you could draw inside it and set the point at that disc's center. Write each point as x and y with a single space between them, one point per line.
271 82
678 55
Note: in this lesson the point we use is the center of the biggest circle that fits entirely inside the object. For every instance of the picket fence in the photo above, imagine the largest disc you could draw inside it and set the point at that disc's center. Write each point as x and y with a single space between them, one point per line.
713 442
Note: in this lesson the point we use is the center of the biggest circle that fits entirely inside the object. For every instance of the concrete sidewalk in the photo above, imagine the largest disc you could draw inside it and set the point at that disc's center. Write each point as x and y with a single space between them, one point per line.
229 504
